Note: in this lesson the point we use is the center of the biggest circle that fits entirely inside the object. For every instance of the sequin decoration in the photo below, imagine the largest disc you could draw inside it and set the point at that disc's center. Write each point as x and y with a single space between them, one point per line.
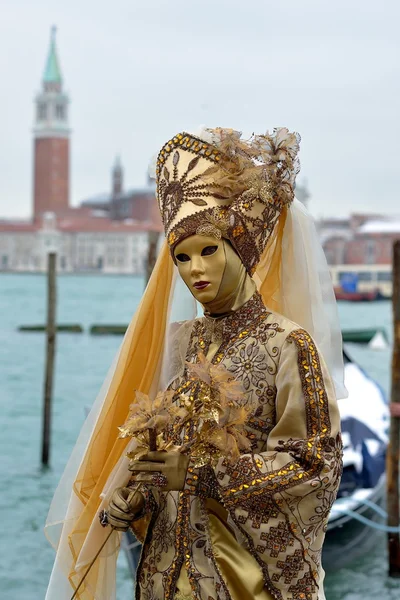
233 188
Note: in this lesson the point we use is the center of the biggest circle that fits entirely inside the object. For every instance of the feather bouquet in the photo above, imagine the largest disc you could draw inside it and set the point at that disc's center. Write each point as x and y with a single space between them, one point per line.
207 422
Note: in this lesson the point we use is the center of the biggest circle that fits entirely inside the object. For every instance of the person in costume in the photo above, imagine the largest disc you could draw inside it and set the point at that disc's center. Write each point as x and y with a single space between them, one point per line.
248 253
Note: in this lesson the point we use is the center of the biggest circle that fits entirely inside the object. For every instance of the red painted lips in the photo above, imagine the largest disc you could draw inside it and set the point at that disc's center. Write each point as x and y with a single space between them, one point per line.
201 285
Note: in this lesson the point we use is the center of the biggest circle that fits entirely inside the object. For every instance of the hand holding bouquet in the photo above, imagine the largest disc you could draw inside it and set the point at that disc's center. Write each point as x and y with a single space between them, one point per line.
203 423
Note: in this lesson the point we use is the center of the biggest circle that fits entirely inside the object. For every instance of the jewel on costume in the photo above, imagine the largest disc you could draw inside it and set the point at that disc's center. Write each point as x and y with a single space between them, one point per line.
103 518
159 480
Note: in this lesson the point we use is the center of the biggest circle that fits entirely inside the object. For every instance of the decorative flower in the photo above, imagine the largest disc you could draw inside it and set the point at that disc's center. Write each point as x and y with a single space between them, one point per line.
262 168
171 238
238 231
220 416
220 382
249 365
217 414
149 420
216 226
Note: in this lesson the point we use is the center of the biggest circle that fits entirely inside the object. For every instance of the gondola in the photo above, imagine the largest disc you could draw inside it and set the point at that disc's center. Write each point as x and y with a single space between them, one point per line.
361 496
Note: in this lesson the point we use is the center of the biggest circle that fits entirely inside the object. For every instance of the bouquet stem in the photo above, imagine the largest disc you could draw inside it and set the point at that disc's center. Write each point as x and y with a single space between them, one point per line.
130 498
152 440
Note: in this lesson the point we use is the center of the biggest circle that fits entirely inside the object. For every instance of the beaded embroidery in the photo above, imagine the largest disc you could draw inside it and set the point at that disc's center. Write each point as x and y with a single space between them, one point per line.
231 188
174 191
309 452
263 502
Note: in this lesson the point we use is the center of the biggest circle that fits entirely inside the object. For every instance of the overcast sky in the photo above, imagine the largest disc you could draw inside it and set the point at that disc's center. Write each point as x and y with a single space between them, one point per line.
139 72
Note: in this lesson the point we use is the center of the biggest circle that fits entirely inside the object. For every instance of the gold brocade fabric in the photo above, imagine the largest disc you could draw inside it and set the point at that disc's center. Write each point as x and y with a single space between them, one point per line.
278 496
239 569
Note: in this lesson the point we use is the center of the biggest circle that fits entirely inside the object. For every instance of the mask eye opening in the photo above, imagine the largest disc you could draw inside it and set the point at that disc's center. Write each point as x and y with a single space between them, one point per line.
209 250
181 257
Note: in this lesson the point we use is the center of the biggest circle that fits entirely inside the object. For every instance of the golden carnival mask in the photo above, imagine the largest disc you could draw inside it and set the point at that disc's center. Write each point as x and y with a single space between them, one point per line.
211 269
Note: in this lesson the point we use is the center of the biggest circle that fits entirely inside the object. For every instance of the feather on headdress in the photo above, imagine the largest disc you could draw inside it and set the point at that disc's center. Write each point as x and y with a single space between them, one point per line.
227 184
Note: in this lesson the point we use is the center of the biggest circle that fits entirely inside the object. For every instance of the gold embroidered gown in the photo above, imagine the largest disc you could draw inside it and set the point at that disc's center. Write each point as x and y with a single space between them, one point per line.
253 530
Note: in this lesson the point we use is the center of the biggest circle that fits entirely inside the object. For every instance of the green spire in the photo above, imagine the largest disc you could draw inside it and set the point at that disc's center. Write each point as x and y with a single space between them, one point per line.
52 73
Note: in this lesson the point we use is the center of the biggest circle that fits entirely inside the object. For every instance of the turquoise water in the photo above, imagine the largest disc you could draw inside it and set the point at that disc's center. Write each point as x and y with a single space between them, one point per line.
81 365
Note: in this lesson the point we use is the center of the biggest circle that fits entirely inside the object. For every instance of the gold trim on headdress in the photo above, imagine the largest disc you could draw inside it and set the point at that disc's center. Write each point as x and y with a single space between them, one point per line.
231 187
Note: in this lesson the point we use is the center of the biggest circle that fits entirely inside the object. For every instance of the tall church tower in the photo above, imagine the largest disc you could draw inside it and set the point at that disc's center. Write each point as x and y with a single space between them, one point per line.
117 178
51 140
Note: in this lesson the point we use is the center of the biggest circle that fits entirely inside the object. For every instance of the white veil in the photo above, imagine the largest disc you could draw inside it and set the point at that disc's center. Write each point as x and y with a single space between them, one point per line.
306 293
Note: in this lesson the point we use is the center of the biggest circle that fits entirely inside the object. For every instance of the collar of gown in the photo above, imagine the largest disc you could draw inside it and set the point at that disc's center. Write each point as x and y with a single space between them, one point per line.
221 328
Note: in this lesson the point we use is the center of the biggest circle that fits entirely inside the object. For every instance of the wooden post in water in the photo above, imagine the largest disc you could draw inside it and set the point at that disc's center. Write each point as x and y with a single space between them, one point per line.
152 253
393 457
50 353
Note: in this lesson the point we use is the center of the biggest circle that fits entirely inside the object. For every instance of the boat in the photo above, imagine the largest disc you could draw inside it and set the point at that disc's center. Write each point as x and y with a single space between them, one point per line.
370 296
358 512
361 496
364 336
362 283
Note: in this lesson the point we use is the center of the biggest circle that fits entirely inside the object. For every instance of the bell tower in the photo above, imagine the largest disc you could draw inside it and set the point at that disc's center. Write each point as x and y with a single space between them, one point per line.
117 178
51 140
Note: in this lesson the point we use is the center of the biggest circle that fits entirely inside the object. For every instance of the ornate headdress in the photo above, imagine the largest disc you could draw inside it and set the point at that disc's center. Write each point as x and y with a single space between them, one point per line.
225 186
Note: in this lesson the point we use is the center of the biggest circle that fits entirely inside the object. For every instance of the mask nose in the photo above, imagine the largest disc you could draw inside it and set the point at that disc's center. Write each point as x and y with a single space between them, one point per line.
197 267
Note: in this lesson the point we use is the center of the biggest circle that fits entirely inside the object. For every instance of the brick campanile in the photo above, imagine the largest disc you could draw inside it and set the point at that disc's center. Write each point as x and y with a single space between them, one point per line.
51 141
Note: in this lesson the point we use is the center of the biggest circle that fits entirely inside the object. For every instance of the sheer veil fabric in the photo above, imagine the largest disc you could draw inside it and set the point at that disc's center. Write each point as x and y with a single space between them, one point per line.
152 355
294 280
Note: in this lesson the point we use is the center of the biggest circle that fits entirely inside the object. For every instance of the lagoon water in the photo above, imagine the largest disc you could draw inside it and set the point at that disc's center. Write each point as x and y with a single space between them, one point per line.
81 364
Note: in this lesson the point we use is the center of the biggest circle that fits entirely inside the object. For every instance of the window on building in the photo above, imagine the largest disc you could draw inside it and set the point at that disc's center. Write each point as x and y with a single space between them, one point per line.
370 250
63 262
42 111
4 261
384 276
364 276
60 112
339 253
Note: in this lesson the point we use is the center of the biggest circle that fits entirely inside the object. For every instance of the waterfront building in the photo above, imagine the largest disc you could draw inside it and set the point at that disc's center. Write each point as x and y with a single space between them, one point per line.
359 252
100 246
108 233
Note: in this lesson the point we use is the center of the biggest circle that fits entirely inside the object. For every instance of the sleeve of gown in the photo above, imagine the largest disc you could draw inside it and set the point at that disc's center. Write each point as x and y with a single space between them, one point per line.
304 449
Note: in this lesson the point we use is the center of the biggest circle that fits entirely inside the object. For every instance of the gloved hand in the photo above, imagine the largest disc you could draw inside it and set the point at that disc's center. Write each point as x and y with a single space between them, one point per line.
125 505
166 470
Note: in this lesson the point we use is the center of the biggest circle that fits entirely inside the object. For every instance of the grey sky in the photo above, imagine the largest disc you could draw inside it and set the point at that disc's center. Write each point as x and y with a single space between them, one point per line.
139 72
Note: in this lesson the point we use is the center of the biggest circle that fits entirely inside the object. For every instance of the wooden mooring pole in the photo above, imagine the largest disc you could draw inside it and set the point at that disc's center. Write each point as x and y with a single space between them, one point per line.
50 354
393 457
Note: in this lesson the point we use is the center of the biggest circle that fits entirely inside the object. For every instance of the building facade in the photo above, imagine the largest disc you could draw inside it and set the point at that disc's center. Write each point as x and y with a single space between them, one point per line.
106 234
359 240
359 253
103 247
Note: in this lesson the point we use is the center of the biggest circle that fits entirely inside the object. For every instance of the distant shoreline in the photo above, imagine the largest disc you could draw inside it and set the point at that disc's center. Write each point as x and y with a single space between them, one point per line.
73 274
